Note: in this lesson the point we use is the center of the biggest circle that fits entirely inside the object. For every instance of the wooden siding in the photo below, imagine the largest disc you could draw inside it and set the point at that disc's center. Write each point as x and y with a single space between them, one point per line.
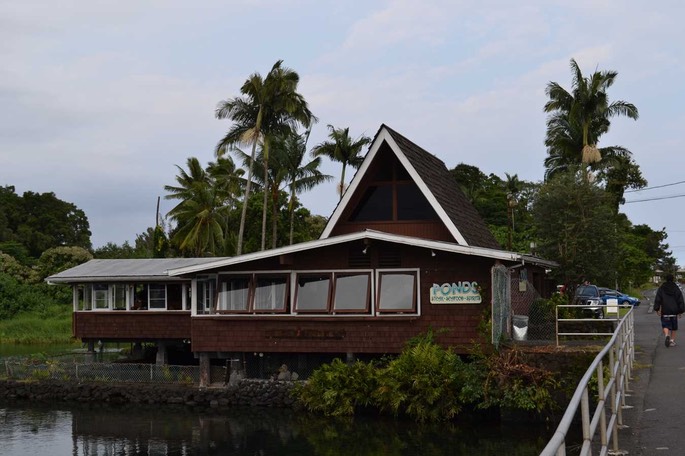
131 325
434 230
341 334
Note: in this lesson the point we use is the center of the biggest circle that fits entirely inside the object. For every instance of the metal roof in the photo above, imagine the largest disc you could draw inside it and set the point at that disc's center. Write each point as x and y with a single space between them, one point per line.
371 235
147 269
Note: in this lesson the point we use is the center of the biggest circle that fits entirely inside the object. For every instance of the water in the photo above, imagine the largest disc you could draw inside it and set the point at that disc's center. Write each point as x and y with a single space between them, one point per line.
30 429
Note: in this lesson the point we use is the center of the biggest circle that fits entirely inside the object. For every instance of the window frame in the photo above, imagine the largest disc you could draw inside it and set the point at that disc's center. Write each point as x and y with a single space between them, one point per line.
369 288
312 274
416 298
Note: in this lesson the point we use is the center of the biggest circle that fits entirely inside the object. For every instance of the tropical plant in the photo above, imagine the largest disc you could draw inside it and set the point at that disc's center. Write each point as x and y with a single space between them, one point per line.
579 118
199 213
344 149
269 106
300 176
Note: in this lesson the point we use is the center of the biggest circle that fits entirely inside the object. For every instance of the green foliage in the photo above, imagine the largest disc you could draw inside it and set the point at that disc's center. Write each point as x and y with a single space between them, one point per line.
514 384
60 259
14 269
51 324
338 388
40 221
425 383
575 226
429 383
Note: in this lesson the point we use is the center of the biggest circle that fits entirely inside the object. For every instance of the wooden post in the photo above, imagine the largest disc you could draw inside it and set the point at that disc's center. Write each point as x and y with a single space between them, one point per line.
204 370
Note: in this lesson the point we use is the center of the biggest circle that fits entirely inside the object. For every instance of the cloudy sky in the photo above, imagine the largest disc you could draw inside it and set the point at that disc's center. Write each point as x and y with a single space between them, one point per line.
101 99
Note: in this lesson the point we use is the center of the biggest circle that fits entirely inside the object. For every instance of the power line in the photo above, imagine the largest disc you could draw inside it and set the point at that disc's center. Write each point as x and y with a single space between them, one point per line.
655 199
656 186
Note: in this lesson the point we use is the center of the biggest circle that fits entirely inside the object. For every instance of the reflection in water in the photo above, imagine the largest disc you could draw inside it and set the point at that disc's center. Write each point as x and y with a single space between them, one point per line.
167 431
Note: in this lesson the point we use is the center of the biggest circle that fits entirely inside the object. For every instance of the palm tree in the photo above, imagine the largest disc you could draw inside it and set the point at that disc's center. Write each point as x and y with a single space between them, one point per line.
199 212
301 177
582 116
230 184
342 148
269 106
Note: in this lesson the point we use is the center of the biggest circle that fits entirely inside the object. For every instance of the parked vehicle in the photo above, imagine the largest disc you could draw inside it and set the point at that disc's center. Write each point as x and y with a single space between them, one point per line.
588 297
608 293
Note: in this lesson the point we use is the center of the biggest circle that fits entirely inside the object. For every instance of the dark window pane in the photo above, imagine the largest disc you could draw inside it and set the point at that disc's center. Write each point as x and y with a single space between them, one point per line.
312 293
376 204
412 205
397 291
157 296
351 292
402 174
174 296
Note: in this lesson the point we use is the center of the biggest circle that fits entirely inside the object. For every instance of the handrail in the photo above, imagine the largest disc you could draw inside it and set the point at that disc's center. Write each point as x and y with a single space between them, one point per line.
621 354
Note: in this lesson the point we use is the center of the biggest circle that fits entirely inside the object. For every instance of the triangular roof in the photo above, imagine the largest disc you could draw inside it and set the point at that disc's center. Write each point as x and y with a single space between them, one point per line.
439 246
436 184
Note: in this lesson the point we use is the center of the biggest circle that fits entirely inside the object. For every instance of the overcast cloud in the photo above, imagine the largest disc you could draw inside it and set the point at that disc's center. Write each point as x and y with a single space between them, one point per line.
99 100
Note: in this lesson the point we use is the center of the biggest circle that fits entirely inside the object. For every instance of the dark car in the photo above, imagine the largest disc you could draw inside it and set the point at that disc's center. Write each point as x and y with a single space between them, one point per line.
608 293
590 301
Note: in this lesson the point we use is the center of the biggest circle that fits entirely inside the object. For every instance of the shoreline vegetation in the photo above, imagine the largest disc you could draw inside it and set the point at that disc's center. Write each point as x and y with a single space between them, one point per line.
33 328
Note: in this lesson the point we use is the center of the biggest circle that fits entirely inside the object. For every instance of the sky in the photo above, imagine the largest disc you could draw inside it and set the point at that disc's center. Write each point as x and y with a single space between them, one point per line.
101 100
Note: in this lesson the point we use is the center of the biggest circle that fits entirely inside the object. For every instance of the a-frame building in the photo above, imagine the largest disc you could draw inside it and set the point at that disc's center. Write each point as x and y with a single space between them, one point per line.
404 252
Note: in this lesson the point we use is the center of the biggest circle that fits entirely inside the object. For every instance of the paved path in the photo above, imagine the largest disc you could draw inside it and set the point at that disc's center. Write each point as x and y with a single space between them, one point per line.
657 392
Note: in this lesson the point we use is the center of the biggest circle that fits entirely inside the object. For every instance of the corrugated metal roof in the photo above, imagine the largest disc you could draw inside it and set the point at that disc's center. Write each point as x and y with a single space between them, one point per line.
149 269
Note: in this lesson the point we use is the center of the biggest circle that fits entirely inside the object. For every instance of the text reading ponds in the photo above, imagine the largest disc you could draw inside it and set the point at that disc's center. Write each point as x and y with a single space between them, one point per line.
455 293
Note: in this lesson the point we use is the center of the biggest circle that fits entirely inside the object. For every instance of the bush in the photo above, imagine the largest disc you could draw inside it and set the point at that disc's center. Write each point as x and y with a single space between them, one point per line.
338 389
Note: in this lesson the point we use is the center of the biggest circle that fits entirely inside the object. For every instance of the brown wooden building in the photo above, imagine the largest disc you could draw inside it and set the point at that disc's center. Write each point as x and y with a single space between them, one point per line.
403 252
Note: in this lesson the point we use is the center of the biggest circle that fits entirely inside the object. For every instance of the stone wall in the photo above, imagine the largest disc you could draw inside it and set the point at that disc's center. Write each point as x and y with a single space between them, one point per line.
252 393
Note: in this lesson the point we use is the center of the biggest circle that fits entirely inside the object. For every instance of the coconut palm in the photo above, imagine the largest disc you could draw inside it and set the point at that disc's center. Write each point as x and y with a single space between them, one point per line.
342 148
582 116
269 106
199 212
300 177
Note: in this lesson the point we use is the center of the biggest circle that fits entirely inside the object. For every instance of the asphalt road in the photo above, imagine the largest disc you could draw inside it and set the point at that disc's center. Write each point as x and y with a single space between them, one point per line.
656 425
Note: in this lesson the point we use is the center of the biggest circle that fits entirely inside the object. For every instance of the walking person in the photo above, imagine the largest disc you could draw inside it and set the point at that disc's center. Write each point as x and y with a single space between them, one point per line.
669 305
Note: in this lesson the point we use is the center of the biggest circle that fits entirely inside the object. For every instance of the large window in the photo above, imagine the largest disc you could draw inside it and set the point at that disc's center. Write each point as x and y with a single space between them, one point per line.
235 294
119 296
397 291
270 293
352 292
134 296
313 292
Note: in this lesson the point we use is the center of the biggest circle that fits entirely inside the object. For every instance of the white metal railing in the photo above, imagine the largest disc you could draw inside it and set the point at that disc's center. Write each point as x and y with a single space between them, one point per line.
618 356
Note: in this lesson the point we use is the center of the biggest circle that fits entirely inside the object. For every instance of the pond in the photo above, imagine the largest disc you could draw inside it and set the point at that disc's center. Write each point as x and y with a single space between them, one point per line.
30 429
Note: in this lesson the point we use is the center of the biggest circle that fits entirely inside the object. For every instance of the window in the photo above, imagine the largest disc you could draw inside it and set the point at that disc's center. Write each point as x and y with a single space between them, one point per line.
140 296
412 205
312 292
270 293
157 296
174 296
235 294
205 295
119 295
100 296
375 205
85 297
352 292
397 291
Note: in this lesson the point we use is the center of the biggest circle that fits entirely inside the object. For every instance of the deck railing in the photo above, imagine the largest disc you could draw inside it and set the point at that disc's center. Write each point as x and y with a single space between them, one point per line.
600 426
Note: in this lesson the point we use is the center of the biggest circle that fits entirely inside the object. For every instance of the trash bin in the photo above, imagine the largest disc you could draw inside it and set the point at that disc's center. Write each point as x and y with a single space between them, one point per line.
520 327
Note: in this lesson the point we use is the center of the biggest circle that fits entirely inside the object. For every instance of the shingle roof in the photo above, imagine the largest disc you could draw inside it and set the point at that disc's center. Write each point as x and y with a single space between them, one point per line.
148 269
446 191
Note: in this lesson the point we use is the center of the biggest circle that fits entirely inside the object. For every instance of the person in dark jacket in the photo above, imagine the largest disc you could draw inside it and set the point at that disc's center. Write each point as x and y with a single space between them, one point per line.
669 305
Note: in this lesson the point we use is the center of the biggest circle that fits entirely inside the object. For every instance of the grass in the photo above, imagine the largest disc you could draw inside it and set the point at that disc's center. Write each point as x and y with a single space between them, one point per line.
48 326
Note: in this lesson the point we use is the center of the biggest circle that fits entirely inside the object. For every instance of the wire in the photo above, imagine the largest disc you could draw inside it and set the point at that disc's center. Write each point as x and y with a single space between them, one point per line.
655 199
652 188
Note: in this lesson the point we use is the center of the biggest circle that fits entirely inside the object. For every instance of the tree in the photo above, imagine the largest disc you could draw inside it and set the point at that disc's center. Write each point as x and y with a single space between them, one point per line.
575 226
300 177
342 148
270 106
579 118
199 213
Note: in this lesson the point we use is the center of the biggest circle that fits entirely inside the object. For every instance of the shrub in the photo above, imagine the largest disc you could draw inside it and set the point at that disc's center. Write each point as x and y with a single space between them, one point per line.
338 388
